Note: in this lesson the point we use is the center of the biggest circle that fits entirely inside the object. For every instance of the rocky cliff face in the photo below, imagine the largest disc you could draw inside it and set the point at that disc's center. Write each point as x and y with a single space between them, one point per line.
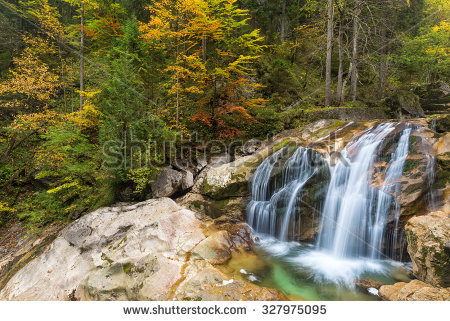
224 189
428 238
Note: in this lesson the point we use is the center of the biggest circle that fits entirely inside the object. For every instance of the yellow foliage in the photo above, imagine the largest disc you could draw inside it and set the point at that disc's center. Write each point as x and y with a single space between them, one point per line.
5 208
30 77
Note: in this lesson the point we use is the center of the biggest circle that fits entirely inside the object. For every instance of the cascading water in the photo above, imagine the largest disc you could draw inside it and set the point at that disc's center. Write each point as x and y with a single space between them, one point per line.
355 214
274 202
352 233
431 177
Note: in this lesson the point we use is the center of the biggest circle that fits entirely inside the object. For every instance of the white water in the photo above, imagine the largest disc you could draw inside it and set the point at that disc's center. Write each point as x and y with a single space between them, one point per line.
262 210
355 214
353 238
431 177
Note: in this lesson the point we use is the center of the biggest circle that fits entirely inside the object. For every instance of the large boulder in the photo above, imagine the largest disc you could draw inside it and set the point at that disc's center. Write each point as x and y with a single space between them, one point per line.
153 250
405 104
427 237
231 179
413 291
167 183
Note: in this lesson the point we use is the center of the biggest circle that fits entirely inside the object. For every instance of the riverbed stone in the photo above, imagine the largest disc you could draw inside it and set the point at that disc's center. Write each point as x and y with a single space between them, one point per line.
144 251
415 290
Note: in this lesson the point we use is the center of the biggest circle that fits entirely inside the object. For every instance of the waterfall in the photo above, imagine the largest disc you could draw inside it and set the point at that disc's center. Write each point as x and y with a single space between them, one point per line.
431 178
356 208
275 191
355 214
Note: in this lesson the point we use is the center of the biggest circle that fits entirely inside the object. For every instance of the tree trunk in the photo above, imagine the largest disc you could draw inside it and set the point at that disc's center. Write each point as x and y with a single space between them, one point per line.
283 21
82 56
340 86
354 70
204 47
63 78
329 52
382 71
71 84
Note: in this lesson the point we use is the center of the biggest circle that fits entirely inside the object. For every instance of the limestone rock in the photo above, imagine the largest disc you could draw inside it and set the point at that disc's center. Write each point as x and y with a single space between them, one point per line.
231 179
390 292
153 250
187 180
231 207
413 291
215 249
250 147
426 236
217 160
167 183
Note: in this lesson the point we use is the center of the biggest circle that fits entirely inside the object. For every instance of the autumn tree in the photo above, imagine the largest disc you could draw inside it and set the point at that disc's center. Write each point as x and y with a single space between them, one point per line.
212 61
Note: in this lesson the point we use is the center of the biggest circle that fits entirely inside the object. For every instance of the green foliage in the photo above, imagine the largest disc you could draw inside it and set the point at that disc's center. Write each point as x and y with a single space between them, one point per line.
68 167
158 69
425 58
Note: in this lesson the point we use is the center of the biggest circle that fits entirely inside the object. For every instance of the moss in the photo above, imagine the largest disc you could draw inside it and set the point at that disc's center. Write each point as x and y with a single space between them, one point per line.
221 203
106 258
413 139
8 271
424 252
411 239
118 244
441 266
410 164
127 267
281 144
443 173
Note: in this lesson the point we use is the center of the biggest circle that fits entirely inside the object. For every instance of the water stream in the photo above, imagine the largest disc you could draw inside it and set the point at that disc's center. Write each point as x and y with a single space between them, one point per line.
353 239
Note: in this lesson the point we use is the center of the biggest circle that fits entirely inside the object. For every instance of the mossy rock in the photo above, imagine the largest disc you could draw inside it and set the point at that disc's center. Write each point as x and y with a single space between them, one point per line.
232 179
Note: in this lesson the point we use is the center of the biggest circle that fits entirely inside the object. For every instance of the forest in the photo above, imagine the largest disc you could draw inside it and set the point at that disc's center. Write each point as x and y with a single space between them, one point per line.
81 76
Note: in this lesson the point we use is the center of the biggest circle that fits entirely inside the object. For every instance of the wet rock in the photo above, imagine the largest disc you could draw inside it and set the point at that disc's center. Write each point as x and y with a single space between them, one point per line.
390 292
203 283
440 123
215 249
239 233
367 283
426 237
413 291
